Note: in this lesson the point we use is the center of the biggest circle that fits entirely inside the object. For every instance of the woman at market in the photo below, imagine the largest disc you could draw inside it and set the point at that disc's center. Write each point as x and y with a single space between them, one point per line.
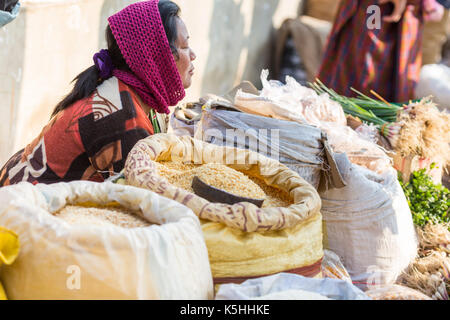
385 58
114 103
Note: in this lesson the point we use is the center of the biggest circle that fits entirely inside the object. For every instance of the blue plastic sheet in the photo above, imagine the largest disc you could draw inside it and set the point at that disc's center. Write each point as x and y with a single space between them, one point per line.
6 17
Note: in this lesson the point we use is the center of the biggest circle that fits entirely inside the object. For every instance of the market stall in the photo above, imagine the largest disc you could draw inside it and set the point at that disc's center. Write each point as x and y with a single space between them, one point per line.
372 141
287 191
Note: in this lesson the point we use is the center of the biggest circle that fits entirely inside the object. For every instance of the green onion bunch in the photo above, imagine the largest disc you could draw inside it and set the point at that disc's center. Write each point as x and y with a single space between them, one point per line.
374 111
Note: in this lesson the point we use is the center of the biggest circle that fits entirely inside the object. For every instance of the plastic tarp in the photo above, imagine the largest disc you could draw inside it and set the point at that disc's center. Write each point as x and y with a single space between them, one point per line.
294 102
140 171
243 240
285 286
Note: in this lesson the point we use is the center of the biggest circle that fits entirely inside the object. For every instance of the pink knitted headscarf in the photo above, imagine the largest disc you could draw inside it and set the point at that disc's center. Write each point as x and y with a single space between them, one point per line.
140 35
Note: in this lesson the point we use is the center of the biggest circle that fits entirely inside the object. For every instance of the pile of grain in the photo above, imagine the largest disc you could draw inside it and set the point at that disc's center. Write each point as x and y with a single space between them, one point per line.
222 177
168 167
101 216
274 197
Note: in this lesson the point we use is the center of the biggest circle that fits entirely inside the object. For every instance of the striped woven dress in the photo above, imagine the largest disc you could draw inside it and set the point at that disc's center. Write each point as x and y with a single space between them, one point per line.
386 59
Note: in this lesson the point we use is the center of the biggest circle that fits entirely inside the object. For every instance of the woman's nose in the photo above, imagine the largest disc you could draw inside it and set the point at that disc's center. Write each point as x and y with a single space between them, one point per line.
193 55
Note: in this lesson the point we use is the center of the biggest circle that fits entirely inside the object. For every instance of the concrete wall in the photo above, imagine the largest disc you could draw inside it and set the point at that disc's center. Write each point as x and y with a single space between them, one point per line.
51 41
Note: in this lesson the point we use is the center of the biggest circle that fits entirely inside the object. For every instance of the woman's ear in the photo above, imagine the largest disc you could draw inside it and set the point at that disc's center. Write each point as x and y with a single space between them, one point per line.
176 57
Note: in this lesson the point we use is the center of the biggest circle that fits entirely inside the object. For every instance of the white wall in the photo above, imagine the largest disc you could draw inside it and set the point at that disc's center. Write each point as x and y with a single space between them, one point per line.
51 41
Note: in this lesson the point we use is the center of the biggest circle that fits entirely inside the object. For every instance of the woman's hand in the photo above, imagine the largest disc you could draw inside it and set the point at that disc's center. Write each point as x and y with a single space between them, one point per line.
399 8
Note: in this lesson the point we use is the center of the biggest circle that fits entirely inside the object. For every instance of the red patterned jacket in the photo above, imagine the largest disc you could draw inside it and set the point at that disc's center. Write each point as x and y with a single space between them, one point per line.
386 59
90 140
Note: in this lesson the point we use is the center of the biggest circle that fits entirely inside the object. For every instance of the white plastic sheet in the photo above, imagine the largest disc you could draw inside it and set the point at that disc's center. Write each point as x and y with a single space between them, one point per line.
288 286
369 225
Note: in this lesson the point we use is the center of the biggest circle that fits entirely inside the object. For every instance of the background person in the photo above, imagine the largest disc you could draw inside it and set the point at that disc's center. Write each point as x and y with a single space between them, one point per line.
386 59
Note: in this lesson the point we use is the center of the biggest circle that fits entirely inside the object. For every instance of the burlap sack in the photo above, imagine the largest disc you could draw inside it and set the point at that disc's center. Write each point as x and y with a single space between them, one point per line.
140 171
435 34
368 224
243 240
236 255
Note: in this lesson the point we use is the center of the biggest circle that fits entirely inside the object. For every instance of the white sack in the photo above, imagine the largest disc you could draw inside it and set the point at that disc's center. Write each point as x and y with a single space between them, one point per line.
369 224
164 261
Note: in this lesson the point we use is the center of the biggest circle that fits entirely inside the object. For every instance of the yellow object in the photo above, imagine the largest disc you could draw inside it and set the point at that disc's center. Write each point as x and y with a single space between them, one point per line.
9 250
234 253
242 240
2 293
217 286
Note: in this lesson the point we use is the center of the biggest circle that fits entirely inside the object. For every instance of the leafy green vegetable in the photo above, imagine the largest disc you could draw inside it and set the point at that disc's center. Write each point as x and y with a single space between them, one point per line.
376 111
428 202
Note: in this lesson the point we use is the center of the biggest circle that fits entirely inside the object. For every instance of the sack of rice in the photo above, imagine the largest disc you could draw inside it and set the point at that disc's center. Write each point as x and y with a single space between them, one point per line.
368 224
243 240
9 250
85 240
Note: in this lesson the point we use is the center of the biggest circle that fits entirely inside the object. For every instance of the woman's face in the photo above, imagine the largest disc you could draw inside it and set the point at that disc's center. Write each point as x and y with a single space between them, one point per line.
185 55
